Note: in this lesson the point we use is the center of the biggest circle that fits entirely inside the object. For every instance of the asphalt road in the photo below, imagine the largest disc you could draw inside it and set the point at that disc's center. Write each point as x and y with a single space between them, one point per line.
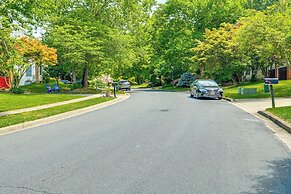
154 142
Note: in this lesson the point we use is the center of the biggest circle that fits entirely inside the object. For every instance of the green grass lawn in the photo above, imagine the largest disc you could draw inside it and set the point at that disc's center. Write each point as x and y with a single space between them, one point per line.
10 101
282 112
283 89
64 88
34 115
144 85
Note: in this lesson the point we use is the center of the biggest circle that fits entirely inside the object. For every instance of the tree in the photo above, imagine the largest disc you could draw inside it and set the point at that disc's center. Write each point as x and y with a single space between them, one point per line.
102 37
265 38
31 51
218 56
185 80
78 48
178 23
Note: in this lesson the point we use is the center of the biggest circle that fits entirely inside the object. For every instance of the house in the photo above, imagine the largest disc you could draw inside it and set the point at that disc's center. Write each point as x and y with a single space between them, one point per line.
30 76
282 72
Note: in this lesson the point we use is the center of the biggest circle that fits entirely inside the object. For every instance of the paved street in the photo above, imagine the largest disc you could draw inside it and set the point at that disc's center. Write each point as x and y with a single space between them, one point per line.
154 142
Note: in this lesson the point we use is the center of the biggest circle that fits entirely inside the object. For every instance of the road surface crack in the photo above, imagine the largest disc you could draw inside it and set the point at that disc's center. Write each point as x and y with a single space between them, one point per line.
26 188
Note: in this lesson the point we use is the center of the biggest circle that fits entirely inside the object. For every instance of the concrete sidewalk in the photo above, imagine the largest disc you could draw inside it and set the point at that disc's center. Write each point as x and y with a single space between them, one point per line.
49 105
260 104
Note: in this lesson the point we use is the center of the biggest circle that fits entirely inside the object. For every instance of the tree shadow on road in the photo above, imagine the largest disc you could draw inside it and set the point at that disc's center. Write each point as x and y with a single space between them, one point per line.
278 181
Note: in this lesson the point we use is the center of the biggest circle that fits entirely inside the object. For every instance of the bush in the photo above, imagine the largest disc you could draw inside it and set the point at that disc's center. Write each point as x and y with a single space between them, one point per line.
75 86
17 90
132 81
185 80
45 77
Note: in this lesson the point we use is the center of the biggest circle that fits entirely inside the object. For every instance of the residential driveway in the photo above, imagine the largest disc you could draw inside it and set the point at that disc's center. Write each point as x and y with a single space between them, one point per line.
154 142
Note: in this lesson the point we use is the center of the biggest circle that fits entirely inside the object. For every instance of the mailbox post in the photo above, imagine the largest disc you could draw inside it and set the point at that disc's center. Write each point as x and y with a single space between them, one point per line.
114 84
271 81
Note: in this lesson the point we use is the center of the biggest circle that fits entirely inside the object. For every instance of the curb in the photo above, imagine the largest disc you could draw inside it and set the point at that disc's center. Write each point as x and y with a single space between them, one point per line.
58 117
276 120
228 99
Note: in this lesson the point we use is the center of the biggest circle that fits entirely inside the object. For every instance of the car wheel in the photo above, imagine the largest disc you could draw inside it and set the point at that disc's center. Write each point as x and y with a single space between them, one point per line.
191 95
197 95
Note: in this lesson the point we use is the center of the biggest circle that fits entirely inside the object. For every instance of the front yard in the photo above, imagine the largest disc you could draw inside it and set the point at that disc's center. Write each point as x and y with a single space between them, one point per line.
39 114
64 88
10 101
283 89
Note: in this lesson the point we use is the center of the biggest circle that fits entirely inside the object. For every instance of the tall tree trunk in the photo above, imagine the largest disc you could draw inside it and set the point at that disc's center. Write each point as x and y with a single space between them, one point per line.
235 79
254 74
138 80
85 77
73 76
37 74
11 79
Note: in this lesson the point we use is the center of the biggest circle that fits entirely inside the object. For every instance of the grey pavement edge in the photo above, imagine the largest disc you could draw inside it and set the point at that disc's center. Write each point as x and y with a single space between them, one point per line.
43 121
276 120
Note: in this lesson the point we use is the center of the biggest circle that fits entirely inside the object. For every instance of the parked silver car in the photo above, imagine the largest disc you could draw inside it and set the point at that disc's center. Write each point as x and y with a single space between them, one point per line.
205 88
123 85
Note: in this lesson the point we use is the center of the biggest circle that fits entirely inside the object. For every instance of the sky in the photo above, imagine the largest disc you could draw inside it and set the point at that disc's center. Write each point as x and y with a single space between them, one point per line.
161 1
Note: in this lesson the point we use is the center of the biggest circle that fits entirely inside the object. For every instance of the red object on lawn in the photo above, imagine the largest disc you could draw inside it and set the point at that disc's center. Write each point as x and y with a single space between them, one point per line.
4 82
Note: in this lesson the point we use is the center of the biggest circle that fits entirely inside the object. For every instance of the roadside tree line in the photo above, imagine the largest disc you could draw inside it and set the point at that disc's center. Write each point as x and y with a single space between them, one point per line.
256 42
141 40
220 39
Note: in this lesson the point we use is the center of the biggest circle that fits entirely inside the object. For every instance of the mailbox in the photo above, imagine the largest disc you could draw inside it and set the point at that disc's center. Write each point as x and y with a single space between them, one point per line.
115 87
271 81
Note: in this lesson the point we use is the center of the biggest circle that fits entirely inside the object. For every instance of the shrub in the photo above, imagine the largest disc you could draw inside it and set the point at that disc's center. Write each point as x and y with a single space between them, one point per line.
132 81
17 90
185 80
45 77
75 86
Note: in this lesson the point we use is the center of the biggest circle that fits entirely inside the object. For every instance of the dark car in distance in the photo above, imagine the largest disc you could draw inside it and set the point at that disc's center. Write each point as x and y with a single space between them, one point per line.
205 88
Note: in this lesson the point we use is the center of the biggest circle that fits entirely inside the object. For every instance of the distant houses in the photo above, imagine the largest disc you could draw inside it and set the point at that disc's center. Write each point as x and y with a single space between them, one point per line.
282 72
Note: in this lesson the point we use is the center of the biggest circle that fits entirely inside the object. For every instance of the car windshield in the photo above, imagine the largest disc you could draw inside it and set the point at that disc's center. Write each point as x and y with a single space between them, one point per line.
123 82
208 83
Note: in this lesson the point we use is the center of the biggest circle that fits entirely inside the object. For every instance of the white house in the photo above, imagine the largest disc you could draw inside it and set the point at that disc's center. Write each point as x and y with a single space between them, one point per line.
29 76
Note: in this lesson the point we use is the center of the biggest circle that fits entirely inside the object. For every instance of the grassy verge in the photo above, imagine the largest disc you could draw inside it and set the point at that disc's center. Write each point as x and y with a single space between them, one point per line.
282 112
144 85
10 101
39 114
283 89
